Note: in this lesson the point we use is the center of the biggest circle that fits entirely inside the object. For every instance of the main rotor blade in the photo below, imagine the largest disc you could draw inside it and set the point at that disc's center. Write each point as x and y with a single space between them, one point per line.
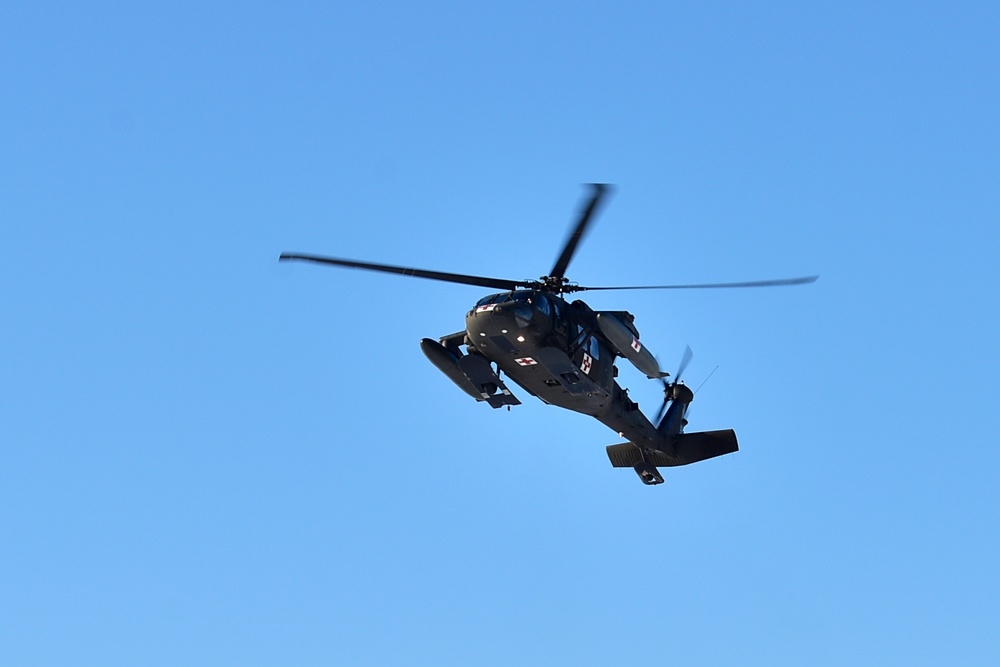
497 283
559 270
752 283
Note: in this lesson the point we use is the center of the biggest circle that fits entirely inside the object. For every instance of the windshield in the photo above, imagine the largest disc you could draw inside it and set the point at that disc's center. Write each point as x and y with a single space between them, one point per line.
535 300
494 298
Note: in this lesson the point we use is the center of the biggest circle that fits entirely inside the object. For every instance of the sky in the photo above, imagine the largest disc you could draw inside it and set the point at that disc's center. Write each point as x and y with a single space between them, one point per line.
208 457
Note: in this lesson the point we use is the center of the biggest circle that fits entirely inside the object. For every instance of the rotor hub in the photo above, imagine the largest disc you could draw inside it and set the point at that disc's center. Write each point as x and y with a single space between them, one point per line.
556 285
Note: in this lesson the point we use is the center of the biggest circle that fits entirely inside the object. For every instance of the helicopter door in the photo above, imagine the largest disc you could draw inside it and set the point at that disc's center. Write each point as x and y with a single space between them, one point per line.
594 360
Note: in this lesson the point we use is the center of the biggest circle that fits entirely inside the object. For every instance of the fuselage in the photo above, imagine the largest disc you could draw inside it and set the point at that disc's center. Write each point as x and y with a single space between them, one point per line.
554 350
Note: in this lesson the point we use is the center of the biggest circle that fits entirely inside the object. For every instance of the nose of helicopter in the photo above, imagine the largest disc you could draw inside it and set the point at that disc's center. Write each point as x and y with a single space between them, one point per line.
519 311
499 317
503 325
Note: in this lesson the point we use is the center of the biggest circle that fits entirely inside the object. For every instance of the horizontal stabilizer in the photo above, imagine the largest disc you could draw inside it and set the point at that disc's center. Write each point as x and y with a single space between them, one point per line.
625 455
694 447
688 448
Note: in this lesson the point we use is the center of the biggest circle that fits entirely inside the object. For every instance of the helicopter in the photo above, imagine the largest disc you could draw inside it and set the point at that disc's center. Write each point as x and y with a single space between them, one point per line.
563 353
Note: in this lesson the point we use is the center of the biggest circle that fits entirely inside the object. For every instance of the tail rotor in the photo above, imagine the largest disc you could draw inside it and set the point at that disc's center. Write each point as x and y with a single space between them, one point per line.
672 390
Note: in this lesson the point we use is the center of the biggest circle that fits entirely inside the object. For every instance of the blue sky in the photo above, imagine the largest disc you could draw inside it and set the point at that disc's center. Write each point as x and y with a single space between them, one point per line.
211 458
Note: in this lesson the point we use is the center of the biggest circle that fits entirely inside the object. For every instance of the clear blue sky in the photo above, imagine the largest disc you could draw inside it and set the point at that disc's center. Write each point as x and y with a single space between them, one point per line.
209 458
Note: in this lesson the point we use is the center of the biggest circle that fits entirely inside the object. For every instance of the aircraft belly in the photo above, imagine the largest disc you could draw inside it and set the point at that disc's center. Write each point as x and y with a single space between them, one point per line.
551 375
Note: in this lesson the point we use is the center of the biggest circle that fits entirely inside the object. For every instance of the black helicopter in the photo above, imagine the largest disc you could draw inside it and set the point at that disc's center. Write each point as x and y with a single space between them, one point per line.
564 353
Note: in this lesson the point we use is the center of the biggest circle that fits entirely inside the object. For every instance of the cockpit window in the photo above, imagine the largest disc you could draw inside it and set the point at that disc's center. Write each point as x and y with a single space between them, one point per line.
541 303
